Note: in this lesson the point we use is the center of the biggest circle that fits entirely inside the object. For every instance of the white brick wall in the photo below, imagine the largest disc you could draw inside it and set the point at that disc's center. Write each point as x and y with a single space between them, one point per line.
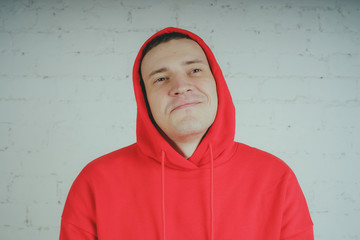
66 95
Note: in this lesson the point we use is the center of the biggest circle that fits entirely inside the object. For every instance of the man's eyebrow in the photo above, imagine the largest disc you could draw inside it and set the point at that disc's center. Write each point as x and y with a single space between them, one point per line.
164 69
160 70
193 61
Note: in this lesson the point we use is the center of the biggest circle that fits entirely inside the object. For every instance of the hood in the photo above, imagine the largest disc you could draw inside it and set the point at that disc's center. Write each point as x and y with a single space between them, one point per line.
220 135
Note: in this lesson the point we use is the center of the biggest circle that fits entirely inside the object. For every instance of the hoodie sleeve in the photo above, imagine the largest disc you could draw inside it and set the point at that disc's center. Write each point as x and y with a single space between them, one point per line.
79 216
296 220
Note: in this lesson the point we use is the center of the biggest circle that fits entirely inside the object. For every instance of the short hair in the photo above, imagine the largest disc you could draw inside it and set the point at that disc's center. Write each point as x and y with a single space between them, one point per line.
166 37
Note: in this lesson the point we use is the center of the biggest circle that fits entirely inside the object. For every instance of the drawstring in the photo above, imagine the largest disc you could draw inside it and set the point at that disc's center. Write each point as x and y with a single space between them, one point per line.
211 194
163 191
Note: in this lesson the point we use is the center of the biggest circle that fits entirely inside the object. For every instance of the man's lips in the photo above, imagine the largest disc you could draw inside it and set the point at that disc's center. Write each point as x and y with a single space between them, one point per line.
184 104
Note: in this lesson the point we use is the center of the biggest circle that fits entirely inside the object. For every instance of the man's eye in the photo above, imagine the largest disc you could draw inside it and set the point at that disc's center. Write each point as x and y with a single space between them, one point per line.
196 70
160 79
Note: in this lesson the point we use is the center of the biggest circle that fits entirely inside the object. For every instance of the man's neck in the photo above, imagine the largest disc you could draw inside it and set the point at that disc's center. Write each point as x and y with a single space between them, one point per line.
185 146
186 149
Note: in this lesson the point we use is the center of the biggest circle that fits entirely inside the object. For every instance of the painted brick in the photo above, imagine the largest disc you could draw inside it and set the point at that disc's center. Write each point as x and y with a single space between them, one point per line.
40 215
31 189
5 42
161 15
65 83
347 65
17 16
12 214
333 89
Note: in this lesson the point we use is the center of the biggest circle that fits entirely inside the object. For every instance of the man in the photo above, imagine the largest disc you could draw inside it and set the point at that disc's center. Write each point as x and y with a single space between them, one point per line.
185 177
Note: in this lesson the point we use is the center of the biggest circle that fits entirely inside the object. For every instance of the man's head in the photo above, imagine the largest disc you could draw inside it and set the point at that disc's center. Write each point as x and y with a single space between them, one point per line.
180 87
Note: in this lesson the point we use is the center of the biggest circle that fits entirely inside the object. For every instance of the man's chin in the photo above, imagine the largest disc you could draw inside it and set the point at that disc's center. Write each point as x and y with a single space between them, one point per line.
189 127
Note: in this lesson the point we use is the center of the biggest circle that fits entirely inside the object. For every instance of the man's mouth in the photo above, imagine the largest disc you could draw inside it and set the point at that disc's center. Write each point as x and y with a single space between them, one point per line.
185 104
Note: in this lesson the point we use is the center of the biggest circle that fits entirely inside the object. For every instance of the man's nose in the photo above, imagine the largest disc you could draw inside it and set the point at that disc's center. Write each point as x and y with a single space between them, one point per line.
180 85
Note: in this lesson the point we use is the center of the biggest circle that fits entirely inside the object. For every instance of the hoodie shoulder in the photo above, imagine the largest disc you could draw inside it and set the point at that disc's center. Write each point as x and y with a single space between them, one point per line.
262 166
259 157
111 161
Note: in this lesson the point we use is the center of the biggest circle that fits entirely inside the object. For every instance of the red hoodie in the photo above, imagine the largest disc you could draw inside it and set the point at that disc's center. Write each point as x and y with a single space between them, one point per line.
224 191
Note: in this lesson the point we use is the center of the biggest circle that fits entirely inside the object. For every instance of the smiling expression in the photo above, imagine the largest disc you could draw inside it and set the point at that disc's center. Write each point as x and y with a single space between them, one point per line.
180 88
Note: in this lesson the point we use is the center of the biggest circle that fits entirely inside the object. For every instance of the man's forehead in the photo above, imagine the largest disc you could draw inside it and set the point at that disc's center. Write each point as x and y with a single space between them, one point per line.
187 51
175 44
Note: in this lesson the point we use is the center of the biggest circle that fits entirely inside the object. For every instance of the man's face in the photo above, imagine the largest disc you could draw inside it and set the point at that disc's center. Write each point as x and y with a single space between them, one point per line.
180 88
